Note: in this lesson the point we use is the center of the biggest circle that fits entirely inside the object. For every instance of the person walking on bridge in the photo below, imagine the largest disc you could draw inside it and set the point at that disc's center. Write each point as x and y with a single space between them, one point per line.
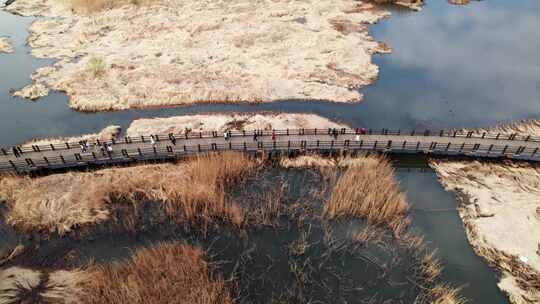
255 136
152 141
172 139
273 135
16 152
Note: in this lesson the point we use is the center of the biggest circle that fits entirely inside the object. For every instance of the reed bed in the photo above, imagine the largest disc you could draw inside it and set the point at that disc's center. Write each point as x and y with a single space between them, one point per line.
165 273
367 189
192 192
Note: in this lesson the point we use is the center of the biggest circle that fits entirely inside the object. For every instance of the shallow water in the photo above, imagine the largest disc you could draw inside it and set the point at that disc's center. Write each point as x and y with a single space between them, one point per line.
452 66
433 213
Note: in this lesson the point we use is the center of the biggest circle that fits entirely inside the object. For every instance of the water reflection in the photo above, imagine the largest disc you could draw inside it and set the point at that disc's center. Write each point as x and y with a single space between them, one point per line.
452 66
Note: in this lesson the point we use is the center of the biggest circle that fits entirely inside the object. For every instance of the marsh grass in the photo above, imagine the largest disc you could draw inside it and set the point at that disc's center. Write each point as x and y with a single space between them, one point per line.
368 189
96 6
96 66
164 273
190 193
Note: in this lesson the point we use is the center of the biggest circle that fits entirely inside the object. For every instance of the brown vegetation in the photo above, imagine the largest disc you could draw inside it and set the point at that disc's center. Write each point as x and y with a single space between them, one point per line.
166 273
368 190
191 193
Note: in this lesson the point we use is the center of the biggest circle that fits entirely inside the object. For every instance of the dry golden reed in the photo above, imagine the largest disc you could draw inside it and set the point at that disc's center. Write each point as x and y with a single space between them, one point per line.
190 192
165 273
368 189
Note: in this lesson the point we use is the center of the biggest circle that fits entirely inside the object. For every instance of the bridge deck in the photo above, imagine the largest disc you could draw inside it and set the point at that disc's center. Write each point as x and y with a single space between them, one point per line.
133 149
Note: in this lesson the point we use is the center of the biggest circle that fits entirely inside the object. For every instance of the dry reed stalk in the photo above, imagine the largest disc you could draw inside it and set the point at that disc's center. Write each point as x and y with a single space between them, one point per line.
15 281
191 192
165 273
368 190
430 268
440 294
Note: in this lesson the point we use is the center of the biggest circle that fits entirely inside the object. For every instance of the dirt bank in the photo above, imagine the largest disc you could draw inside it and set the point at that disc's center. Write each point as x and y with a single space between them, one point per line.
5 46
500 207
225 122
183 52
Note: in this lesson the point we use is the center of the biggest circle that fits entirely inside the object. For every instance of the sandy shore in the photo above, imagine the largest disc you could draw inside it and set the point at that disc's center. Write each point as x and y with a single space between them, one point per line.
5 46
226 122
185 52
500 208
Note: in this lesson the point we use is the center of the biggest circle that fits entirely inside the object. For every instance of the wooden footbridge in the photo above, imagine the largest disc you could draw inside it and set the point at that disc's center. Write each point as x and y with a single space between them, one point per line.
172 146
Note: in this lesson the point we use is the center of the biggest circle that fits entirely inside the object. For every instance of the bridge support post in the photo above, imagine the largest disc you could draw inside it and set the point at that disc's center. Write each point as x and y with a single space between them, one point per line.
13 165
140 152
447 147
490 148
534 152
504 149
461 148
417 146
404 144
62 158
46 160
4 151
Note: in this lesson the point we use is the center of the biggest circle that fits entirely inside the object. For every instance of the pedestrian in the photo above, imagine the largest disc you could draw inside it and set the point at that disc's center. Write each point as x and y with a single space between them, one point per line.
172 138
357 138
83 149
16 152
103 149
273 135
152 141
363 131
255 136
225 136
335 133
109 149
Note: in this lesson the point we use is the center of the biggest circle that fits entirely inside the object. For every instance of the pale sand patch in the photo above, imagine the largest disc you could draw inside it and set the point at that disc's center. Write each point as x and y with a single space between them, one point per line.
226 122
5 46
184 52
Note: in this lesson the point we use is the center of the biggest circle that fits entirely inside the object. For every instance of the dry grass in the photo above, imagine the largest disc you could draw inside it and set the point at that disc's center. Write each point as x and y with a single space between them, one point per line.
166 273
441 294
16 281
191 193
94 6
368 190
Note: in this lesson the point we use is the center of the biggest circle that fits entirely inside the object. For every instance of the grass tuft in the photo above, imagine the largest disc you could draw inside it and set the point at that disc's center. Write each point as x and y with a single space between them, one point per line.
165 273
368 190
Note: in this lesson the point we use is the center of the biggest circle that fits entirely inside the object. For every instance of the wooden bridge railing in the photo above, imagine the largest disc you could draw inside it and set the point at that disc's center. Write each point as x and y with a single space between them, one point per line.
170 152
28 148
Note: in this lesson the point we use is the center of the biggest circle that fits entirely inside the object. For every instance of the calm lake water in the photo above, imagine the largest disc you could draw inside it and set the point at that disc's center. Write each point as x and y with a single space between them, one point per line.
451 66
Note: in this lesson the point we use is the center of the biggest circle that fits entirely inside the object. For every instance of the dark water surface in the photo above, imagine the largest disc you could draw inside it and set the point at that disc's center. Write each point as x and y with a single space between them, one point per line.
452 66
